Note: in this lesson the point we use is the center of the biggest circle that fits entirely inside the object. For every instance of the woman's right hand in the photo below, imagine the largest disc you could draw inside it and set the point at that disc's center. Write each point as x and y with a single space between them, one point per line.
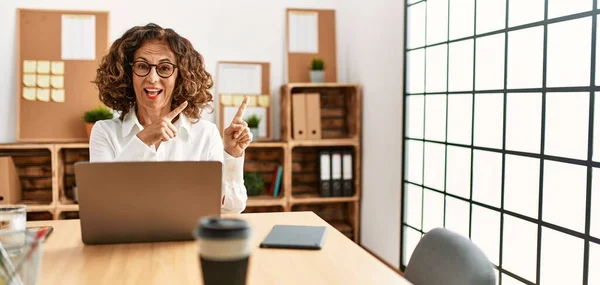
161 130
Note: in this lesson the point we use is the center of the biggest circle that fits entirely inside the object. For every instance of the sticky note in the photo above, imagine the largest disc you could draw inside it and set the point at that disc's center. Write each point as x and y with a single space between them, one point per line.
252 101
264 100
58 95
58 67
43 67
237 100
57 81
43 94
226 100
29 80
29 66
29 93
43 81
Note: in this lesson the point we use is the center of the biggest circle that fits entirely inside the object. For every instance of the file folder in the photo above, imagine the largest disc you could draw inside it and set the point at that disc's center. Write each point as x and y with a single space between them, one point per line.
347 170
325 174
336 174
299 116
313 116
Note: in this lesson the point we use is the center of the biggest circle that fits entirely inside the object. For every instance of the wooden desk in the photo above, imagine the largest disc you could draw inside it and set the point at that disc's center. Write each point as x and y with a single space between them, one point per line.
68 261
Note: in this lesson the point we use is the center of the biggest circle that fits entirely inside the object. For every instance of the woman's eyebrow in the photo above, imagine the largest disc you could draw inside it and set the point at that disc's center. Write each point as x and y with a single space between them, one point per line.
165 60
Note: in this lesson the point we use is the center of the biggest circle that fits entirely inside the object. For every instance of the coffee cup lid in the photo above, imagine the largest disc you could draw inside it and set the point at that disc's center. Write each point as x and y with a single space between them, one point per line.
222 228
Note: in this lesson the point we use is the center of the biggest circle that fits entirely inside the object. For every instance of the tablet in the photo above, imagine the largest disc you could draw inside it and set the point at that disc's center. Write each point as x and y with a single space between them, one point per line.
296 237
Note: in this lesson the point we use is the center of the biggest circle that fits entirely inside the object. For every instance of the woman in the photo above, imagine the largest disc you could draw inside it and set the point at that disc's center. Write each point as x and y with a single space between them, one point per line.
157 81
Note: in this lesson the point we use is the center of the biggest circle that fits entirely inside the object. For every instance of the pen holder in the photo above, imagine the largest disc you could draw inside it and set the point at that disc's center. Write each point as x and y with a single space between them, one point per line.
20 257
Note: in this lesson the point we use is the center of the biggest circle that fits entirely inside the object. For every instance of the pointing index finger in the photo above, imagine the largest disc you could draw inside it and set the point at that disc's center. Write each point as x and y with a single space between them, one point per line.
171 115
240 113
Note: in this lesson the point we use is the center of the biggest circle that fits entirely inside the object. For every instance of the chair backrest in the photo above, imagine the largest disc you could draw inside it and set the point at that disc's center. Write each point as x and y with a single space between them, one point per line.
445 257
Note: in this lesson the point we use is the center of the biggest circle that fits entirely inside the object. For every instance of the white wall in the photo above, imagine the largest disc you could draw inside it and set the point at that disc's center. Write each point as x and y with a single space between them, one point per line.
370 52
220 30
372 41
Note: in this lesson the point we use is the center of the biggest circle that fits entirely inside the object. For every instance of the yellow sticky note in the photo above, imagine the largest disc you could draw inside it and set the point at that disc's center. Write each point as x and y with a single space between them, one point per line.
43 94
58 95
43 66
58 67
252 101
29 80
226 100
237 100
57 81
264 100
29 66
43 81
29 93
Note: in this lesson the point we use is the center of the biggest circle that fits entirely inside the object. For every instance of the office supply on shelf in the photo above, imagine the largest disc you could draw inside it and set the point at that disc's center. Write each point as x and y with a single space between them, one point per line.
310 33
347 170
325 173
336 174
313 116
299 116
296 237
234 81
43 115
278 181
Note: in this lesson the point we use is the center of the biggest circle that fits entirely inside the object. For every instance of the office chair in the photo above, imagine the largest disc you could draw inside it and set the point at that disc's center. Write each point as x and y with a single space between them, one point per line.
443 257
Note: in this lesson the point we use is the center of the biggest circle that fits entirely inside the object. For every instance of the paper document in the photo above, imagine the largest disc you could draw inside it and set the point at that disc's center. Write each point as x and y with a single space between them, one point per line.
239 78
58 67
78 37
43 94
303 32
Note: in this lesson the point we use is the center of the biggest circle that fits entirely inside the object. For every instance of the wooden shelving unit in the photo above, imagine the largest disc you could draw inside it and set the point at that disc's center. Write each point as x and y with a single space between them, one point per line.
47 170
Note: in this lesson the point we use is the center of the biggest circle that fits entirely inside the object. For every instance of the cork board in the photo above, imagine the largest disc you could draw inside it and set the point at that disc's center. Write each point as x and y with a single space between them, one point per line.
260 99
39 41
299 62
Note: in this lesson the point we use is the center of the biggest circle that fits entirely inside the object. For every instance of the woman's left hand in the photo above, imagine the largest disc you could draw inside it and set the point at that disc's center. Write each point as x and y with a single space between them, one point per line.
237 136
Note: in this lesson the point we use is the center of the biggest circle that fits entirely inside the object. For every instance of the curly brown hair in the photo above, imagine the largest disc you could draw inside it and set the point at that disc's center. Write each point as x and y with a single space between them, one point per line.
114 75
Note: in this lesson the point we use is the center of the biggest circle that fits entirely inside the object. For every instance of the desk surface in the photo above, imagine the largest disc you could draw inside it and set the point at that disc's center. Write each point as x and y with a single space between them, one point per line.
68 261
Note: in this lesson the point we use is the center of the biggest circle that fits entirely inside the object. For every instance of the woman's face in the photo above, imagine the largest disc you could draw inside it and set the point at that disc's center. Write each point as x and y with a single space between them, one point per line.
153 91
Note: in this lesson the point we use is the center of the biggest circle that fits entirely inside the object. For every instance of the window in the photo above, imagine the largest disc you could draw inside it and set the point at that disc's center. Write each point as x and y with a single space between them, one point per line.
502 141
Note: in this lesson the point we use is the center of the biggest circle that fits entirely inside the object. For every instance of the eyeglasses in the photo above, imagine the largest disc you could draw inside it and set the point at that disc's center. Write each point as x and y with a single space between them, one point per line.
163 69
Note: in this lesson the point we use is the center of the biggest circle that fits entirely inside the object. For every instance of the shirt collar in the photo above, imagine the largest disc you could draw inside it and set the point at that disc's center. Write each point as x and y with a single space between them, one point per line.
130 121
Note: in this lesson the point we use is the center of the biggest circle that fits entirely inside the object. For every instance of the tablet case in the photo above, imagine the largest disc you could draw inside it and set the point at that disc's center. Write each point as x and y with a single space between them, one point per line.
296 237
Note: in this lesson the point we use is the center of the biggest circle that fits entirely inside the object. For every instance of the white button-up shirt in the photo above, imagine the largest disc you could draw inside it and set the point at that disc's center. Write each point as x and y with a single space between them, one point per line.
116 140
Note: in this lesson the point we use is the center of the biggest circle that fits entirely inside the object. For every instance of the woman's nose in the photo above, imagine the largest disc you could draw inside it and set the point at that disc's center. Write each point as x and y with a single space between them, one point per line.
152 76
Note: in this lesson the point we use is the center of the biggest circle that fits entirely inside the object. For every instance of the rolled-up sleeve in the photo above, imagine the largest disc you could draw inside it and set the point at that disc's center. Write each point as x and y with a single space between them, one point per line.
101 149
233 190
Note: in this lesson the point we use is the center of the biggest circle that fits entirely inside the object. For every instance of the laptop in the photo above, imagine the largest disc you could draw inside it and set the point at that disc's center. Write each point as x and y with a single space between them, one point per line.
129 202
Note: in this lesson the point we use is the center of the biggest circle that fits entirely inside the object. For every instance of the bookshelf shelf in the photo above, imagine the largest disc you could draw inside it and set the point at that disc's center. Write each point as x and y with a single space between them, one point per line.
313 199
48 169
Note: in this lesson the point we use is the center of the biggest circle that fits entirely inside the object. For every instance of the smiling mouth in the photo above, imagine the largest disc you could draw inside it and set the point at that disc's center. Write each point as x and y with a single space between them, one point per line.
152 94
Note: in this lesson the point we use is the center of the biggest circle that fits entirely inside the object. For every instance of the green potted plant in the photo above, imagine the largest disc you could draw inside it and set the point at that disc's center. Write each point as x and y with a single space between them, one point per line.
254 183
253 122
317 70
92 116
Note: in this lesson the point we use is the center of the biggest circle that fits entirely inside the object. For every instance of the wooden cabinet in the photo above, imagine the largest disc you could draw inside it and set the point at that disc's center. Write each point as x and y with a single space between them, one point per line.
47 177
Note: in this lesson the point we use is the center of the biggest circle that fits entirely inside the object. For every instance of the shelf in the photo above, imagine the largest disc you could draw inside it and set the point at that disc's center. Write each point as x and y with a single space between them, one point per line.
33 206
73 145
309 84
260 201
257 144
312 199
21 146
326 142
68 208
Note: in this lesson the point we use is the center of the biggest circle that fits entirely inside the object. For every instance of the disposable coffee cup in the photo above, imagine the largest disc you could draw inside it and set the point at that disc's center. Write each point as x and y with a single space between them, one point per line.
223 250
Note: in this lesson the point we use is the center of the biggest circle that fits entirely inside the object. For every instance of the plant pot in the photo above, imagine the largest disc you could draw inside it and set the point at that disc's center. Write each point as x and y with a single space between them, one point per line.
255 133
88 129
317 76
